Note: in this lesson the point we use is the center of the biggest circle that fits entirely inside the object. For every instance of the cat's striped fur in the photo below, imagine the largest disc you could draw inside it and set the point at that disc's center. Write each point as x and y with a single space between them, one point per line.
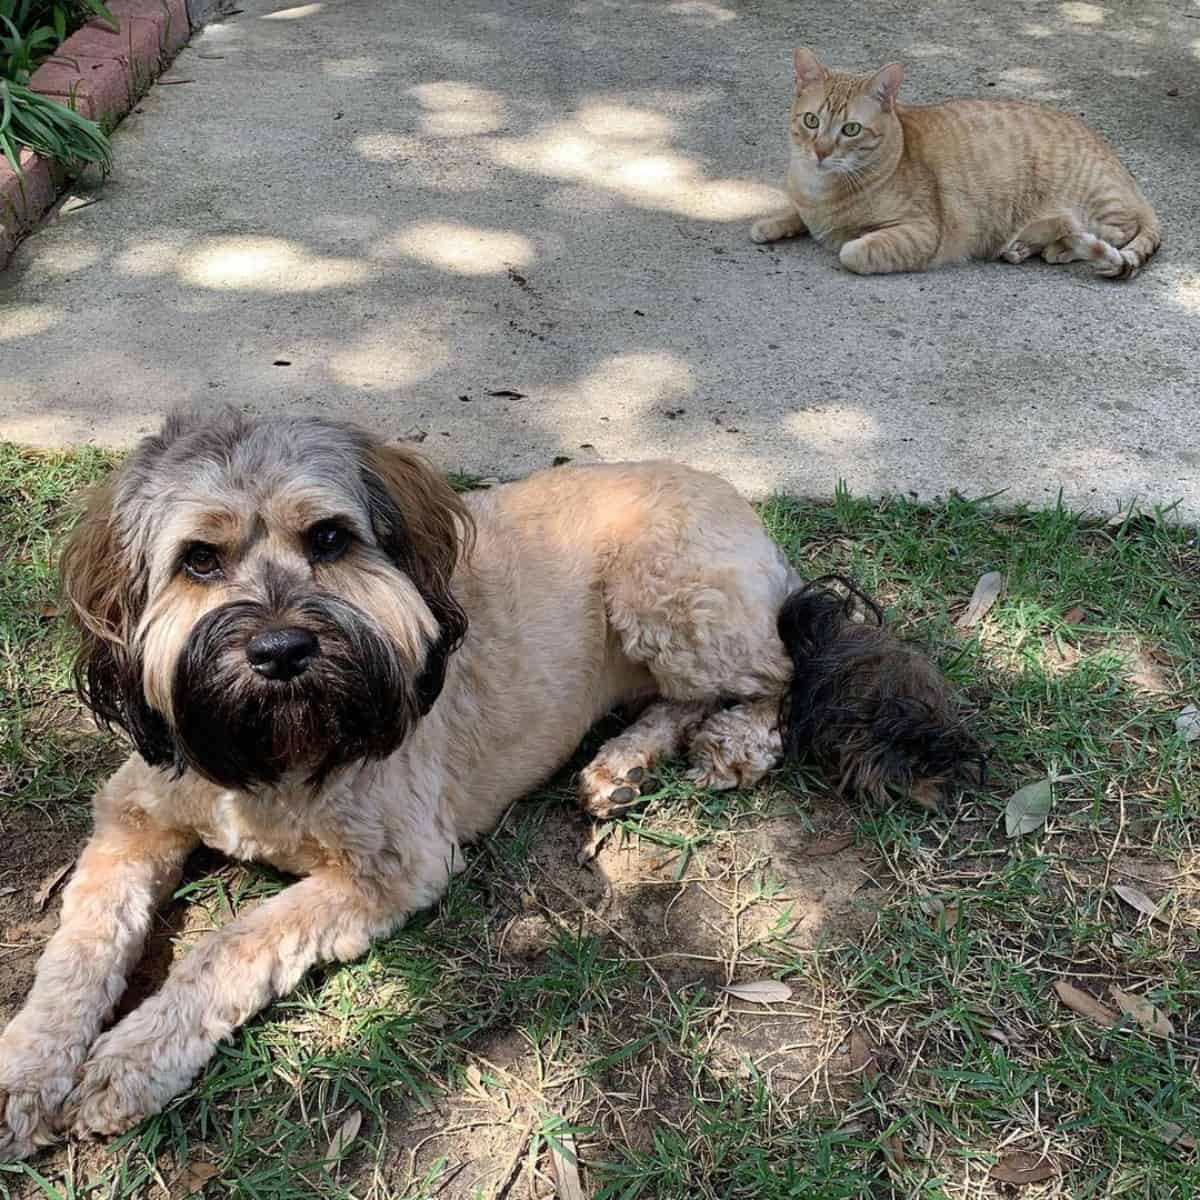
899 188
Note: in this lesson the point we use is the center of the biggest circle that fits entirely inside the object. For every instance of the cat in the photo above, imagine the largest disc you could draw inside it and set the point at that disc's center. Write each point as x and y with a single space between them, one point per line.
898 188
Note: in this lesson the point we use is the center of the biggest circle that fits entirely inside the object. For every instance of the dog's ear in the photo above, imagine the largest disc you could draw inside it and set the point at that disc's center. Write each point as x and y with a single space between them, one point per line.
425 528
106 594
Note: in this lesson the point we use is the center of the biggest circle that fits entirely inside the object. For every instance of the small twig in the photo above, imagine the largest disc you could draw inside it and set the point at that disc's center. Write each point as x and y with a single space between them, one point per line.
514 1166
176 81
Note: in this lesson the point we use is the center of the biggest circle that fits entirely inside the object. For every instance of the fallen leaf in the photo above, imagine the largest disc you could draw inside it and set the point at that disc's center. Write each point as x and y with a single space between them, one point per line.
1138 900
1074 616
1188 723
1128 514
1085 1004
895 1148
1176 1135
507 394
565 1160
760 991
949 917
48 612
43 894
43 928
1020 1167
1028 808
862 1057
987 592
340 1142
192 1179
829 845
1143 1012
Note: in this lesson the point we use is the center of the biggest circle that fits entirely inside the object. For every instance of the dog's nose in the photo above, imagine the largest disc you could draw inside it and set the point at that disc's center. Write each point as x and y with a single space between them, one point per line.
282 653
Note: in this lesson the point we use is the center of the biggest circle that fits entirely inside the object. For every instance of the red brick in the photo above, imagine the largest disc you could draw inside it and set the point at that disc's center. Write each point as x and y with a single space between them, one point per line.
101 87
23 198
135 43
168 16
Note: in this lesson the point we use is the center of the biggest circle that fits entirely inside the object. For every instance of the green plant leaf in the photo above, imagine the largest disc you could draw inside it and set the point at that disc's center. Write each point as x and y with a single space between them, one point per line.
1028 808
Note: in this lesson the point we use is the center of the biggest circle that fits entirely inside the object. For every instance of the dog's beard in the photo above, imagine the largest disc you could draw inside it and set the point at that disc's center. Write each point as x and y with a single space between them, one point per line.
357 699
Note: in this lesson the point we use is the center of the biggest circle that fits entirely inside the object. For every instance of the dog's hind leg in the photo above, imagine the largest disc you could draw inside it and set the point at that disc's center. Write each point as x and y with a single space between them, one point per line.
613 780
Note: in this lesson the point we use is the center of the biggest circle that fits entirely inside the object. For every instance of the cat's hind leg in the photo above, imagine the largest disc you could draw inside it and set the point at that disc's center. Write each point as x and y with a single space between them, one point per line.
1035 237
786 223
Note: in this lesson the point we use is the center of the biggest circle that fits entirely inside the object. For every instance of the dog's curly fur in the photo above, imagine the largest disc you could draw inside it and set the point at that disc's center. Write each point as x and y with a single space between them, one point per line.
447 656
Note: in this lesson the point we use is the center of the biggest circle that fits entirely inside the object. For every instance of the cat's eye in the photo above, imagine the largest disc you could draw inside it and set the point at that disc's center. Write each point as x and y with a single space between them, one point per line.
201 561
851 129
328 542
810 120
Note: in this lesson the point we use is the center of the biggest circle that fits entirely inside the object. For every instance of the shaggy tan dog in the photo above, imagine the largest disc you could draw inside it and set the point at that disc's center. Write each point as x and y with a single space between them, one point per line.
329 661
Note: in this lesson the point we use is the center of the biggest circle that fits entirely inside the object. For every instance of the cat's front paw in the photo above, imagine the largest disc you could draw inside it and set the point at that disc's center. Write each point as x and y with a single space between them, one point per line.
773 229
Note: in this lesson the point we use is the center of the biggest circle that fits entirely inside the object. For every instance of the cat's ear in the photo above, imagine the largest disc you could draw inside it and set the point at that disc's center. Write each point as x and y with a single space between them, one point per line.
808 68
885 83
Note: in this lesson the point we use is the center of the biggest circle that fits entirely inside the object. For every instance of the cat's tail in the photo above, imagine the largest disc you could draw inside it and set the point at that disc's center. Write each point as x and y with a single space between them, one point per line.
873 708
1126 261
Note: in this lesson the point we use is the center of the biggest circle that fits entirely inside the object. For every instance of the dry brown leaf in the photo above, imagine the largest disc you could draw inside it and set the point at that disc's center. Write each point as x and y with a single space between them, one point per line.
760 991
41 928
950 917
346 1133
1085 1004
192 1179
1143 1012
862 1057
565 1160
895 1149
987 592
1176 1135
43 894
48 612
834 844
1018 1168
1075 616
1188 723
1138 900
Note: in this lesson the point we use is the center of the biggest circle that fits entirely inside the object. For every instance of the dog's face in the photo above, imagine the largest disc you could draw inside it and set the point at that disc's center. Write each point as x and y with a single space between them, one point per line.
263 598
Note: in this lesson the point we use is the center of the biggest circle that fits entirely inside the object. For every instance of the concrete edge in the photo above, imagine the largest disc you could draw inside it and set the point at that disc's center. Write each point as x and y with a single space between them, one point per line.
103 74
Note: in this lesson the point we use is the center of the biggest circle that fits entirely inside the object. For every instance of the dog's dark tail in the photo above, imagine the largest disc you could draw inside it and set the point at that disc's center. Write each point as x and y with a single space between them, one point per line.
869 706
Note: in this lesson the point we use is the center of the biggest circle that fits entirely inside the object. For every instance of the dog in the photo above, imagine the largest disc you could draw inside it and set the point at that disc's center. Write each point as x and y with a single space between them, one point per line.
330 661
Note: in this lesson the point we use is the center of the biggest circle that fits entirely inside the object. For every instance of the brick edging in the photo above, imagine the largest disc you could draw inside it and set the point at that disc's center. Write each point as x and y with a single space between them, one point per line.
106 73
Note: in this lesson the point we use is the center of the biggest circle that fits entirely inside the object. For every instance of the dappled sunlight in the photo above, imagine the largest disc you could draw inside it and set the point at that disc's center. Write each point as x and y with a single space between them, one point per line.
1032 83
1080 13
295 13
701 12
459 249
28 320
389 354
637 381
623 149
75 258
148 257
838 429
265 264
387 147
457 109
1185 291
352 68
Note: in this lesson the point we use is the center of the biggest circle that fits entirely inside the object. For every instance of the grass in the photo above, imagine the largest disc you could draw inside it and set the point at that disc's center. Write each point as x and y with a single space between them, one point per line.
545 1006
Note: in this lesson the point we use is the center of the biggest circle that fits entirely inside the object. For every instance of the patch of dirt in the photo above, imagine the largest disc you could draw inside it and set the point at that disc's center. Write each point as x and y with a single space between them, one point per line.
48 841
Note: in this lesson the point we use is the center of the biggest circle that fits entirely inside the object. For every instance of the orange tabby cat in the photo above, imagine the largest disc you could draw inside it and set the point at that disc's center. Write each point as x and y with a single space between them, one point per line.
896 188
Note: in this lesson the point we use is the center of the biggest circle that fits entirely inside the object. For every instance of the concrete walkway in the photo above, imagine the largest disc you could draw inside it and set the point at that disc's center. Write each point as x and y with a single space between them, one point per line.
406 213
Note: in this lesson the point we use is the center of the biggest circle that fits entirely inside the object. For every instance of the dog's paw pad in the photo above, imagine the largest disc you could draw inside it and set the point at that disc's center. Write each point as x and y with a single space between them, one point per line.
623 796
635 776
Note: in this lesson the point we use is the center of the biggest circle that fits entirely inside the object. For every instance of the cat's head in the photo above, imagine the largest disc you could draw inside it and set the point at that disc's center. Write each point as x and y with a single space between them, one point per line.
844 124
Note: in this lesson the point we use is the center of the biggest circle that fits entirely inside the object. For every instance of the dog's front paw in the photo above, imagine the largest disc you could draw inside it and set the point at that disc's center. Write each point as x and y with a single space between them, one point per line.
36 1074
125 1079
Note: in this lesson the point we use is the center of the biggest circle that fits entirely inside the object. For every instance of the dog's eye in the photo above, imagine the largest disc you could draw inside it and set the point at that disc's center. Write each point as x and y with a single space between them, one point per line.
201 561
328 542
